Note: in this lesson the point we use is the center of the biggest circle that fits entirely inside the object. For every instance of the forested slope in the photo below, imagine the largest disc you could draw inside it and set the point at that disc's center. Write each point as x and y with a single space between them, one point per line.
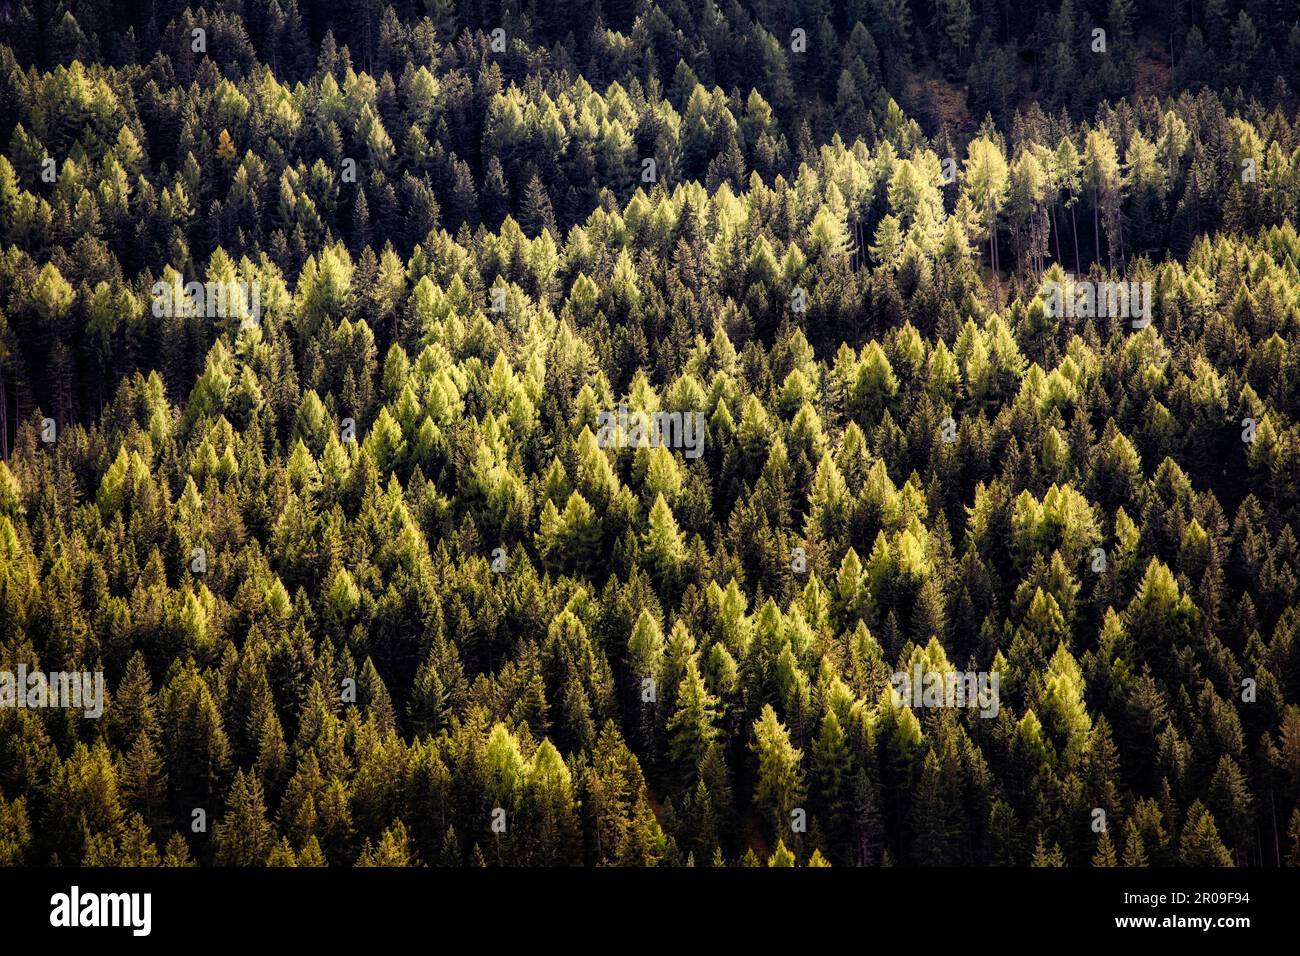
366 578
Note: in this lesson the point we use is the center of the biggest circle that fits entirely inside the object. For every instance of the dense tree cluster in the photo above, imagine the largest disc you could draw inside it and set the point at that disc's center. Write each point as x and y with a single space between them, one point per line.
366 586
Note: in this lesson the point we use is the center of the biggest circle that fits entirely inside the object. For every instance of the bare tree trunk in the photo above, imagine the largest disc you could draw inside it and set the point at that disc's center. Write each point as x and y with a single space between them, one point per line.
1119 228
1074 232
1096 231
1055 233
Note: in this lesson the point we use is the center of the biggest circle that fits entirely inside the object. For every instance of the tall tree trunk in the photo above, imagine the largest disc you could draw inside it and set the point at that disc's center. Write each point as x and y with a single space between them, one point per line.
1119 229
1074 232
1055 233
1096 231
